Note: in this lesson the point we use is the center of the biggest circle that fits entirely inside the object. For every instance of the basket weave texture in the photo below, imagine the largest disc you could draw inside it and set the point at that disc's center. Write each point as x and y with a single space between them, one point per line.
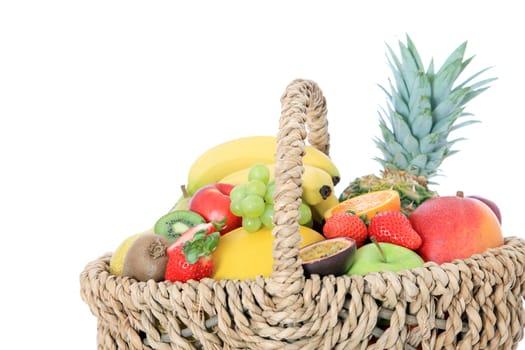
473 303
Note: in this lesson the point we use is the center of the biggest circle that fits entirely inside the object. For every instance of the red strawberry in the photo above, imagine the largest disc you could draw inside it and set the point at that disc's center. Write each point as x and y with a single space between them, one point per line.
346 224
393 226
208 228
190 259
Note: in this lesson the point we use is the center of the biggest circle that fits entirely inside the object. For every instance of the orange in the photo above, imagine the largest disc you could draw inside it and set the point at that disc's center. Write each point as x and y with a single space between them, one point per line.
368 204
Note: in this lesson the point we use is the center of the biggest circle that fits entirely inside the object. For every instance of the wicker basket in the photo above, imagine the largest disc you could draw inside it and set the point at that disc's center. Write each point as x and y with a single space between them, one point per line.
474 303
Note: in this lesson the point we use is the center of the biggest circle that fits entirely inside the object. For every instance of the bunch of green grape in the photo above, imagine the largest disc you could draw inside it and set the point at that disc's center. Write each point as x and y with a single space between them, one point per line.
253 200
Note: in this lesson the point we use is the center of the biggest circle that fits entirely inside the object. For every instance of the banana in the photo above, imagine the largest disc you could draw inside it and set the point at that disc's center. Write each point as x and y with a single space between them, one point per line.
319 209
317 183
240 153
241 176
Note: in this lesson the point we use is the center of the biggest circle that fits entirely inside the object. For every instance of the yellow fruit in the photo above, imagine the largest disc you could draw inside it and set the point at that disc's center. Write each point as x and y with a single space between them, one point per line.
236 154
317 183
368 204
117 259
244 255
319 210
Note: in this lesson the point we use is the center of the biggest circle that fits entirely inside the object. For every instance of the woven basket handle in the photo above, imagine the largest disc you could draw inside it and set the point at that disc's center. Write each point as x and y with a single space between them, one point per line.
303 106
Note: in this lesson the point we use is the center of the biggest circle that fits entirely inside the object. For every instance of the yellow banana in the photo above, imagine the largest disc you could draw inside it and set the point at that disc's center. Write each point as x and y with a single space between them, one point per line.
319 209
240 153
241 176
317 183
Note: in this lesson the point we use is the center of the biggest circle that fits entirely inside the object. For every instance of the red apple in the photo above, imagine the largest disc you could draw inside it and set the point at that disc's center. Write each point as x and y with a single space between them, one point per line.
455 227
212 202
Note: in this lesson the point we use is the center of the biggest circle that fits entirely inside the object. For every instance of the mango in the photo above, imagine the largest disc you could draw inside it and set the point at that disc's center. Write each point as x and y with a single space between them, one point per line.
455 227
243 255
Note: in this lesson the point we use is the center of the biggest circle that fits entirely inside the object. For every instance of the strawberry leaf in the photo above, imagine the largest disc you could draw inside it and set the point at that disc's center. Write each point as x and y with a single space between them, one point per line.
192 255
219 225
201 245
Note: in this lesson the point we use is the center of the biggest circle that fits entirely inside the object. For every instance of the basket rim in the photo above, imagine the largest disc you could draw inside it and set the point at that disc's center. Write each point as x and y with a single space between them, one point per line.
511 244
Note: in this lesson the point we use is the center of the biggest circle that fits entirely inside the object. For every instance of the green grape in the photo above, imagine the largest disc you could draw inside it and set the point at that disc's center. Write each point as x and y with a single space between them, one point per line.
270 189
238 193
256 187
252 206
259 171
267 216
305 213
251 224
236 207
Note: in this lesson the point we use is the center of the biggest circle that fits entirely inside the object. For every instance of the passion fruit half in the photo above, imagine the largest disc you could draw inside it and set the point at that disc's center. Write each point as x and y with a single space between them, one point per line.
332 256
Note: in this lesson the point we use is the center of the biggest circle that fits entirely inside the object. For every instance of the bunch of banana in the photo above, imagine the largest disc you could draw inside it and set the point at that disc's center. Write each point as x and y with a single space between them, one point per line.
241 153
317 183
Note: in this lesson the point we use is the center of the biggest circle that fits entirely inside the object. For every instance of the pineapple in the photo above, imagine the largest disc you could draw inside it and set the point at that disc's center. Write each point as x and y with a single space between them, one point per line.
423 108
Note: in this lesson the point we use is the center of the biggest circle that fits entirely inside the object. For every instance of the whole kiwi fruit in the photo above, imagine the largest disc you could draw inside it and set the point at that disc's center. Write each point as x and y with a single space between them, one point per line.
146 258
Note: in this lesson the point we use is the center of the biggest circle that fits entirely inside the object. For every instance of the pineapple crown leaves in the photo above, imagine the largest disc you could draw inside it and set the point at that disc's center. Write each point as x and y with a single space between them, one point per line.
423 108
201 245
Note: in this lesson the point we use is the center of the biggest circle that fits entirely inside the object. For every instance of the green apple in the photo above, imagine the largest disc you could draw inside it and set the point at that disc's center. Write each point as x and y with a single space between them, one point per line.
383 256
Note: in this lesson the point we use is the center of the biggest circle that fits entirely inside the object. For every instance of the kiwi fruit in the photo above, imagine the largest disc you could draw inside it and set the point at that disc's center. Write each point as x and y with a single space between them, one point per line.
147 258
175 223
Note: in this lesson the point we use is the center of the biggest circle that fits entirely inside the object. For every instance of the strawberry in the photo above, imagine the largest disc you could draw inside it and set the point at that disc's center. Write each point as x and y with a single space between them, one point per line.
346 224
393 226
208 228
191 258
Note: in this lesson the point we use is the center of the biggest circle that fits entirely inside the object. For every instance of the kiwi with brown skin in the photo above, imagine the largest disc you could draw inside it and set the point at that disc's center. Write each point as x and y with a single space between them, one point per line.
146 258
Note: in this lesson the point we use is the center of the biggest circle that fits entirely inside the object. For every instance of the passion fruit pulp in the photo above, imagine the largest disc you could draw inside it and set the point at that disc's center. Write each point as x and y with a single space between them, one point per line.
332 256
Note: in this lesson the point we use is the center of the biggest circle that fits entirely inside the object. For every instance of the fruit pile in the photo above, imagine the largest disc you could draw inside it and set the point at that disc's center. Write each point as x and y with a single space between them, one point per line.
221 227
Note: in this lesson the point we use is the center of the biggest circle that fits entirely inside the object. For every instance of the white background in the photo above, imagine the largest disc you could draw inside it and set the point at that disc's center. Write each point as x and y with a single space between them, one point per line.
105 104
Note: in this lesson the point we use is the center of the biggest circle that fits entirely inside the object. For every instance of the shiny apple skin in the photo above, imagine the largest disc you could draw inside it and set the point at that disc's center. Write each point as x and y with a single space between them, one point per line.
212 202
